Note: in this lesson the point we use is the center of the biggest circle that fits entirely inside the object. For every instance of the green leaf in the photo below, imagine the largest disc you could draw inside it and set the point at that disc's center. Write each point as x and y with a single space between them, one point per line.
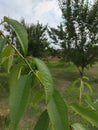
2 43
15 75
88 114
89 87
73 86
20 32
38 97
90 103
58 112
78 126
43 122
19 99
7 57
45 78
86 78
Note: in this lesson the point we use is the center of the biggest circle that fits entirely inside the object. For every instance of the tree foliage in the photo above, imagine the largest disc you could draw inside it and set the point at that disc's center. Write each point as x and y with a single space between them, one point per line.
10 33
78 35
38 42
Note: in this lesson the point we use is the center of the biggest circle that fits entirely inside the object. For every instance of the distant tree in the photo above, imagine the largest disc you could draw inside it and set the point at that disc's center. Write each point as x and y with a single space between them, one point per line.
10 33
78 34
38 41
54 52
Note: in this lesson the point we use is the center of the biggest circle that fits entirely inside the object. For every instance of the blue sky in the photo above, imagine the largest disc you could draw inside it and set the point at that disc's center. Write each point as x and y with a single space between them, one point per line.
44 11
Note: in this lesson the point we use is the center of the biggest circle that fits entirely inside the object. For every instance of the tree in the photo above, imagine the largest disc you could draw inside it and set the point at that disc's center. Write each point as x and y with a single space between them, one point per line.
10 33
38 42
78 35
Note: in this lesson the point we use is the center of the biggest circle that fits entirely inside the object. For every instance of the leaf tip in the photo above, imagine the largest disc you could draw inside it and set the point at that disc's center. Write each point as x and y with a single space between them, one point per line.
6 19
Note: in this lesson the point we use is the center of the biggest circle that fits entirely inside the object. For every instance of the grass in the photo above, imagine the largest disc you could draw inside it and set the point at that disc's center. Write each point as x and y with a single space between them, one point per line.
63 75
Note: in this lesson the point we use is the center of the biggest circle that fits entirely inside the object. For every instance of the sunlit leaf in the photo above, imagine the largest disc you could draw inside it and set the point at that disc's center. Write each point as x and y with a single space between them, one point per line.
43 122
78 126
20 32
90 103
88 114
86 78
19 99
73 86
45 78
58 112
89 87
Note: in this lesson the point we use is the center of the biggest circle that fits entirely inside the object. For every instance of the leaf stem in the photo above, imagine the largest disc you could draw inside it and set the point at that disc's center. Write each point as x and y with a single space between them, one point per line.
81 89
25 60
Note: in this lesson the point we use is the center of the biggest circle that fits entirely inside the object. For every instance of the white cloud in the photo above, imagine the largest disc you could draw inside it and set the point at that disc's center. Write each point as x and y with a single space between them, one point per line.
15 9
45 11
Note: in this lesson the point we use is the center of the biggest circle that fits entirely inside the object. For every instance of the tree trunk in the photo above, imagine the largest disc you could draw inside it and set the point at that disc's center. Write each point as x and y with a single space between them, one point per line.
81 71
